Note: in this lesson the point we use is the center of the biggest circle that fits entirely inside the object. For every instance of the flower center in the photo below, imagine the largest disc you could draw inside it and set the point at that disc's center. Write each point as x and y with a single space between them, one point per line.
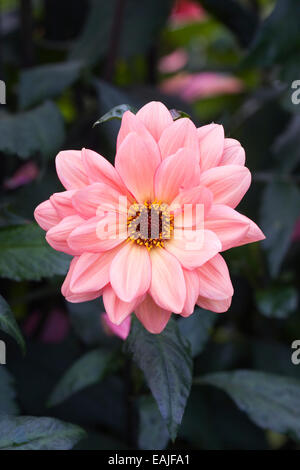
150 224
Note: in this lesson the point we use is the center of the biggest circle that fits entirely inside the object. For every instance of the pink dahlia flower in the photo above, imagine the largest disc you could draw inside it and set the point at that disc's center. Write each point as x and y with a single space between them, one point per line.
147 233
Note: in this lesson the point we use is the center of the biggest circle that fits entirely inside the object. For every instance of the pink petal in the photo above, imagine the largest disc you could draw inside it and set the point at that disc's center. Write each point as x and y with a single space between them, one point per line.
136 163
70 169
156 117
233 153
58 235
46 216
167 285
117 310
228 183
98 198
70 296
130 272
174 173
91 272
254 233
181 133
230 226
194 204
214 279
218 306
152 316
63 203
100 170
131 123
98 234
211 143
192 291
122 330
24 175
195 250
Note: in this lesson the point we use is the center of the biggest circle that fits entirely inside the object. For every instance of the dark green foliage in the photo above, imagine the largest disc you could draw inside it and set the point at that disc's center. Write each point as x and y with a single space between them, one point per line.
271 401
26 255
167 365
29 433
63 68
9 325
38 131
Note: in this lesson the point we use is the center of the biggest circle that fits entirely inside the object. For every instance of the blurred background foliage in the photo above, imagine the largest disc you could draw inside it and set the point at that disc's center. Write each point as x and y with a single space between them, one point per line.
67 63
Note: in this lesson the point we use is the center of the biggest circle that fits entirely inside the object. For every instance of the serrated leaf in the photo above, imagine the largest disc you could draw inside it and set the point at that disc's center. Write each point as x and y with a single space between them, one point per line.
31 433
196 329
277 302
46 81
88 370
9 325
153 433
115 113
29 133
25 255
271 401
279 212
167 365
8 405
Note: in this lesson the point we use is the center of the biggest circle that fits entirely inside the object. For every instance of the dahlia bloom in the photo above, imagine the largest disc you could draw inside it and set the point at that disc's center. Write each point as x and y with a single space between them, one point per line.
147 233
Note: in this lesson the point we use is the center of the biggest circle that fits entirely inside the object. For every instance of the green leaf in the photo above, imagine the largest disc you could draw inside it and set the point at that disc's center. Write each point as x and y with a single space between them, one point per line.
30 433
38 131
278 38
25 255
279 212
277 302
153 433
108 97
167 365
196 329
46 81
115 113
88 370
8 405
240 20
176 114
9 325
141 22
271 401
